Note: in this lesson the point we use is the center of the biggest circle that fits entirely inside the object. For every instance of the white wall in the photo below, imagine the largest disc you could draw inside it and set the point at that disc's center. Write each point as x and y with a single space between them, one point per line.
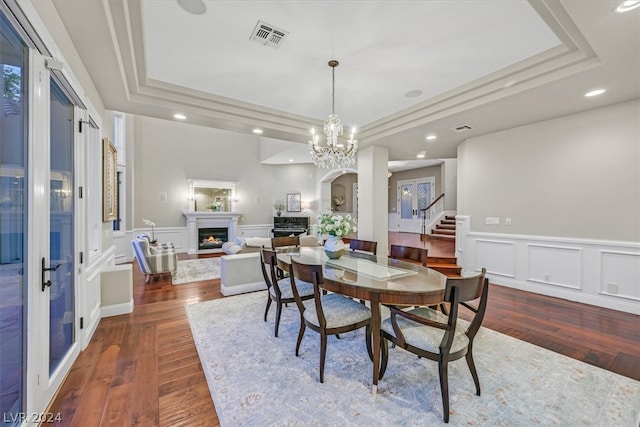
576 176
571 187
167 153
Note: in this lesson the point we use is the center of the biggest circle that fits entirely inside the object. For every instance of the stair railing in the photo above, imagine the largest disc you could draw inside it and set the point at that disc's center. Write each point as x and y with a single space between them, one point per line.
431 212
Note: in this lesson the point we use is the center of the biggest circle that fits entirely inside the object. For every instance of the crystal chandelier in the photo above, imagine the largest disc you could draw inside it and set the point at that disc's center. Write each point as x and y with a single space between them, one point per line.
335 154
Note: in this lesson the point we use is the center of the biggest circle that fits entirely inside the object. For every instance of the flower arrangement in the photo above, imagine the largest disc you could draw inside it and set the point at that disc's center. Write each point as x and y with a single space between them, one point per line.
336 225
215 206
150 224
278 205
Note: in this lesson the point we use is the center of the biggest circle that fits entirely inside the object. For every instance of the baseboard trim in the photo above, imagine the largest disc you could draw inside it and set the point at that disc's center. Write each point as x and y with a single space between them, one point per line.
117 309
242 289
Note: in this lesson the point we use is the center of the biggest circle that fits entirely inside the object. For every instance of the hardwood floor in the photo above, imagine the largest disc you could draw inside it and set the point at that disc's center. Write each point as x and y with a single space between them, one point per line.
143 368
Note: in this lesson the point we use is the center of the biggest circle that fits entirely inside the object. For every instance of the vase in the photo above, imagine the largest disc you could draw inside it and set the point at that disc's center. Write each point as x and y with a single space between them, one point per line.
334 247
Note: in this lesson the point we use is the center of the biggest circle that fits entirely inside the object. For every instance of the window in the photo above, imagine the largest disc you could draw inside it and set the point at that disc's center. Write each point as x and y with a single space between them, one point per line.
94 184
119 140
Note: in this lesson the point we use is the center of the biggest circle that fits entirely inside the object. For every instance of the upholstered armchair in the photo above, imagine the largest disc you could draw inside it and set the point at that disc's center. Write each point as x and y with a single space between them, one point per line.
154 260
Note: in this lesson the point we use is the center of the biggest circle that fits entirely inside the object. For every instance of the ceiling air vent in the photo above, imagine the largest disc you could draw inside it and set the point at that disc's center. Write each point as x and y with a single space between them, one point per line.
268 35
462 128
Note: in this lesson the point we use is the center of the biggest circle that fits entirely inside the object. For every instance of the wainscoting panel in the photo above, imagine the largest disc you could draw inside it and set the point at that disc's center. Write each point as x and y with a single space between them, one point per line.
620 274
497 256
258 230
555 265
596 272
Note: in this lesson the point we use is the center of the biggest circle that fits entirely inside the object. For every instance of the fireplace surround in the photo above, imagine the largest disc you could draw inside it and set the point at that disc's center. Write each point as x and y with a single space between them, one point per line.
197 221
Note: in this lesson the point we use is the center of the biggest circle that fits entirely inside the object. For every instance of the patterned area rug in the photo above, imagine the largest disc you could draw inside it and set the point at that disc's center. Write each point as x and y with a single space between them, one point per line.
256 379
197 270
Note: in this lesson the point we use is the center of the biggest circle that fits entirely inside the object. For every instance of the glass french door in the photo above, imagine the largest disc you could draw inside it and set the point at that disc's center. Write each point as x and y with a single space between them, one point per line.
413 197
61 228
38 323
13 223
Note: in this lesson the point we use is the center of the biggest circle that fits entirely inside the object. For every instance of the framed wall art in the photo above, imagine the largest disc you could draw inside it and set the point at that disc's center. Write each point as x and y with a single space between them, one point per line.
293 202
109 181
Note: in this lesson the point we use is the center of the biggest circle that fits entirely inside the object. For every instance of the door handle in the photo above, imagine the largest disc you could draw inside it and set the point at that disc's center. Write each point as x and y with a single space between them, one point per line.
47 283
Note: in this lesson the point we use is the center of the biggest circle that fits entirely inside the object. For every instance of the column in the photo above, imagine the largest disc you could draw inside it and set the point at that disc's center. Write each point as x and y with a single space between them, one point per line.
373 197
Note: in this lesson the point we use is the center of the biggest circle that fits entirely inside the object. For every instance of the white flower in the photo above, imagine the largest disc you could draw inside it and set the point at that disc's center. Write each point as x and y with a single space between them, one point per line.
148 222
335 225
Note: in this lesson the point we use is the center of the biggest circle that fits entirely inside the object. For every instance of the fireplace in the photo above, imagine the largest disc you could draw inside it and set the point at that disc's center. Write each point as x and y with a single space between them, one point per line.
212 238
196 221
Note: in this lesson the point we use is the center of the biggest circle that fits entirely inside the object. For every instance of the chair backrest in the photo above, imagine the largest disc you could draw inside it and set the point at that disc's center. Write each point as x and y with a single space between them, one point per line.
140 250
462 290
268 263
363 245
310 273
409 253
277 242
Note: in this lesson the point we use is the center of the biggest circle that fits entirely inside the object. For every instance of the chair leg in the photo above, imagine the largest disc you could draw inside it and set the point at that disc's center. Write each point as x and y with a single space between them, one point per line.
278 313
384 346
266 310
368 337
303 326
443 369
472 368
323 354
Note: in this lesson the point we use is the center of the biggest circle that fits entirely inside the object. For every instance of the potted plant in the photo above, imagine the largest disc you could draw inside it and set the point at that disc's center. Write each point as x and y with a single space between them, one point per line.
335 227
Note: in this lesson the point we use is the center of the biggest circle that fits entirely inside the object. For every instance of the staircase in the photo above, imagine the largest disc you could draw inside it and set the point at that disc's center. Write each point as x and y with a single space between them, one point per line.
445 265
446 230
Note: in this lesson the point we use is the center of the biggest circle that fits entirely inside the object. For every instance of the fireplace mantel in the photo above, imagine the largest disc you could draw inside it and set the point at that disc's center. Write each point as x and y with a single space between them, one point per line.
196 220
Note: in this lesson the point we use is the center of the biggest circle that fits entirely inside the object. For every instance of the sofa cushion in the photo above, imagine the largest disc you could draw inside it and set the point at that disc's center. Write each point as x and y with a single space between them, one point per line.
257 242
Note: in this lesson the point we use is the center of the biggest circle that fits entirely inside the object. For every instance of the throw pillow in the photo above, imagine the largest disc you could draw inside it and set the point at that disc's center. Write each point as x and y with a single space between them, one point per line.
232 249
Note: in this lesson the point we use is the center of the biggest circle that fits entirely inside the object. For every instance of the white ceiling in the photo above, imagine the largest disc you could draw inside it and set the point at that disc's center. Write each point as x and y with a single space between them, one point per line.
491 65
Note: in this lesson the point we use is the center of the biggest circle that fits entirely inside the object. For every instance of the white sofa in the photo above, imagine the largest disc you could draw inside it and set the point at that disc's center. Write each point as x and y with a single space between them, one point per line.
240 269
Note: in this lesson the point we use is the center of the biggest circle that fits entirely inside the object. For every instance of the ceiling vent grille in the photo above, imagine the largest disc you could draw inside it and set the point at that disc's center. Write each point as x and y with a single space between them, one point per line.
268 35
462 128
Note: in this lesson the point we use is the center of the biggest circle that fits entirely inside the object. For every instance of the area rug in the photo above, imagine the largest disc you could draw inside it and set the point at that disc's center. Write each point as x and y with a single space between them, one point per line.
197 270
255 379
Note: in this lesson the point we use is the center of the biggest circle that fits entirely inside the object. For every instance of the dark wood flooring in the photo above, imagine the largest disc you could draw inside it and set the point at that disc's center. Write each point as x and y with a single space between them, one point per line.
143 368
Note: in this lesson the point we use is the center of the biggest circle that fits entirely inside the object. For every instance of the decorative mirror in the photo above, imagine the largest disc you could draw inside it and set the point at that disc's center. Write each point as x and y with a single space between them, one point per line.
211 196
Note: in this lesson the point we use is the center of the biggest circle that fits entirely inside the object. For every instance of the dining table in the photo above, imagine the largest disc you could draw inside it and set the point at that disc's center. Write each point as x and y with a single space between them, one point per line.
379 280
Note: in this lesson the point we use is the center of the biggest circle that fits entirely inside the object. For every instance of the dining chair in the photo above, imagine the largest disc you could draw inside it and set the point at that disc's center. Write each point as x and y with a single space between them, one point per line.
330 314
278 242
440 337
409 253
279 289
281 242
363 246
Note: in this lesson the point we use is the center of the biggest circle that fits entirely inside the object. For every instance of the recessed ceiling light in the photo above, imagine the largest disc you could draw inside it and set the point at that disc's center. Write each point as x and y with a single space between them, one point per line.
595 92
257 131
421 155
179 116
290 160
628 5
413 93
431 137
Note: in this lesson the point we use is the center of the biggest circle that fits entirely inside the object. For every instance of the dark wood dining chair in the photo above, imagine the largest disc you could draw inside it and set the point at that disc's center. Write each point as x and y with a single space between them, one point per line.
279 242
364 246
279 290
440 337
409 253
331 314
